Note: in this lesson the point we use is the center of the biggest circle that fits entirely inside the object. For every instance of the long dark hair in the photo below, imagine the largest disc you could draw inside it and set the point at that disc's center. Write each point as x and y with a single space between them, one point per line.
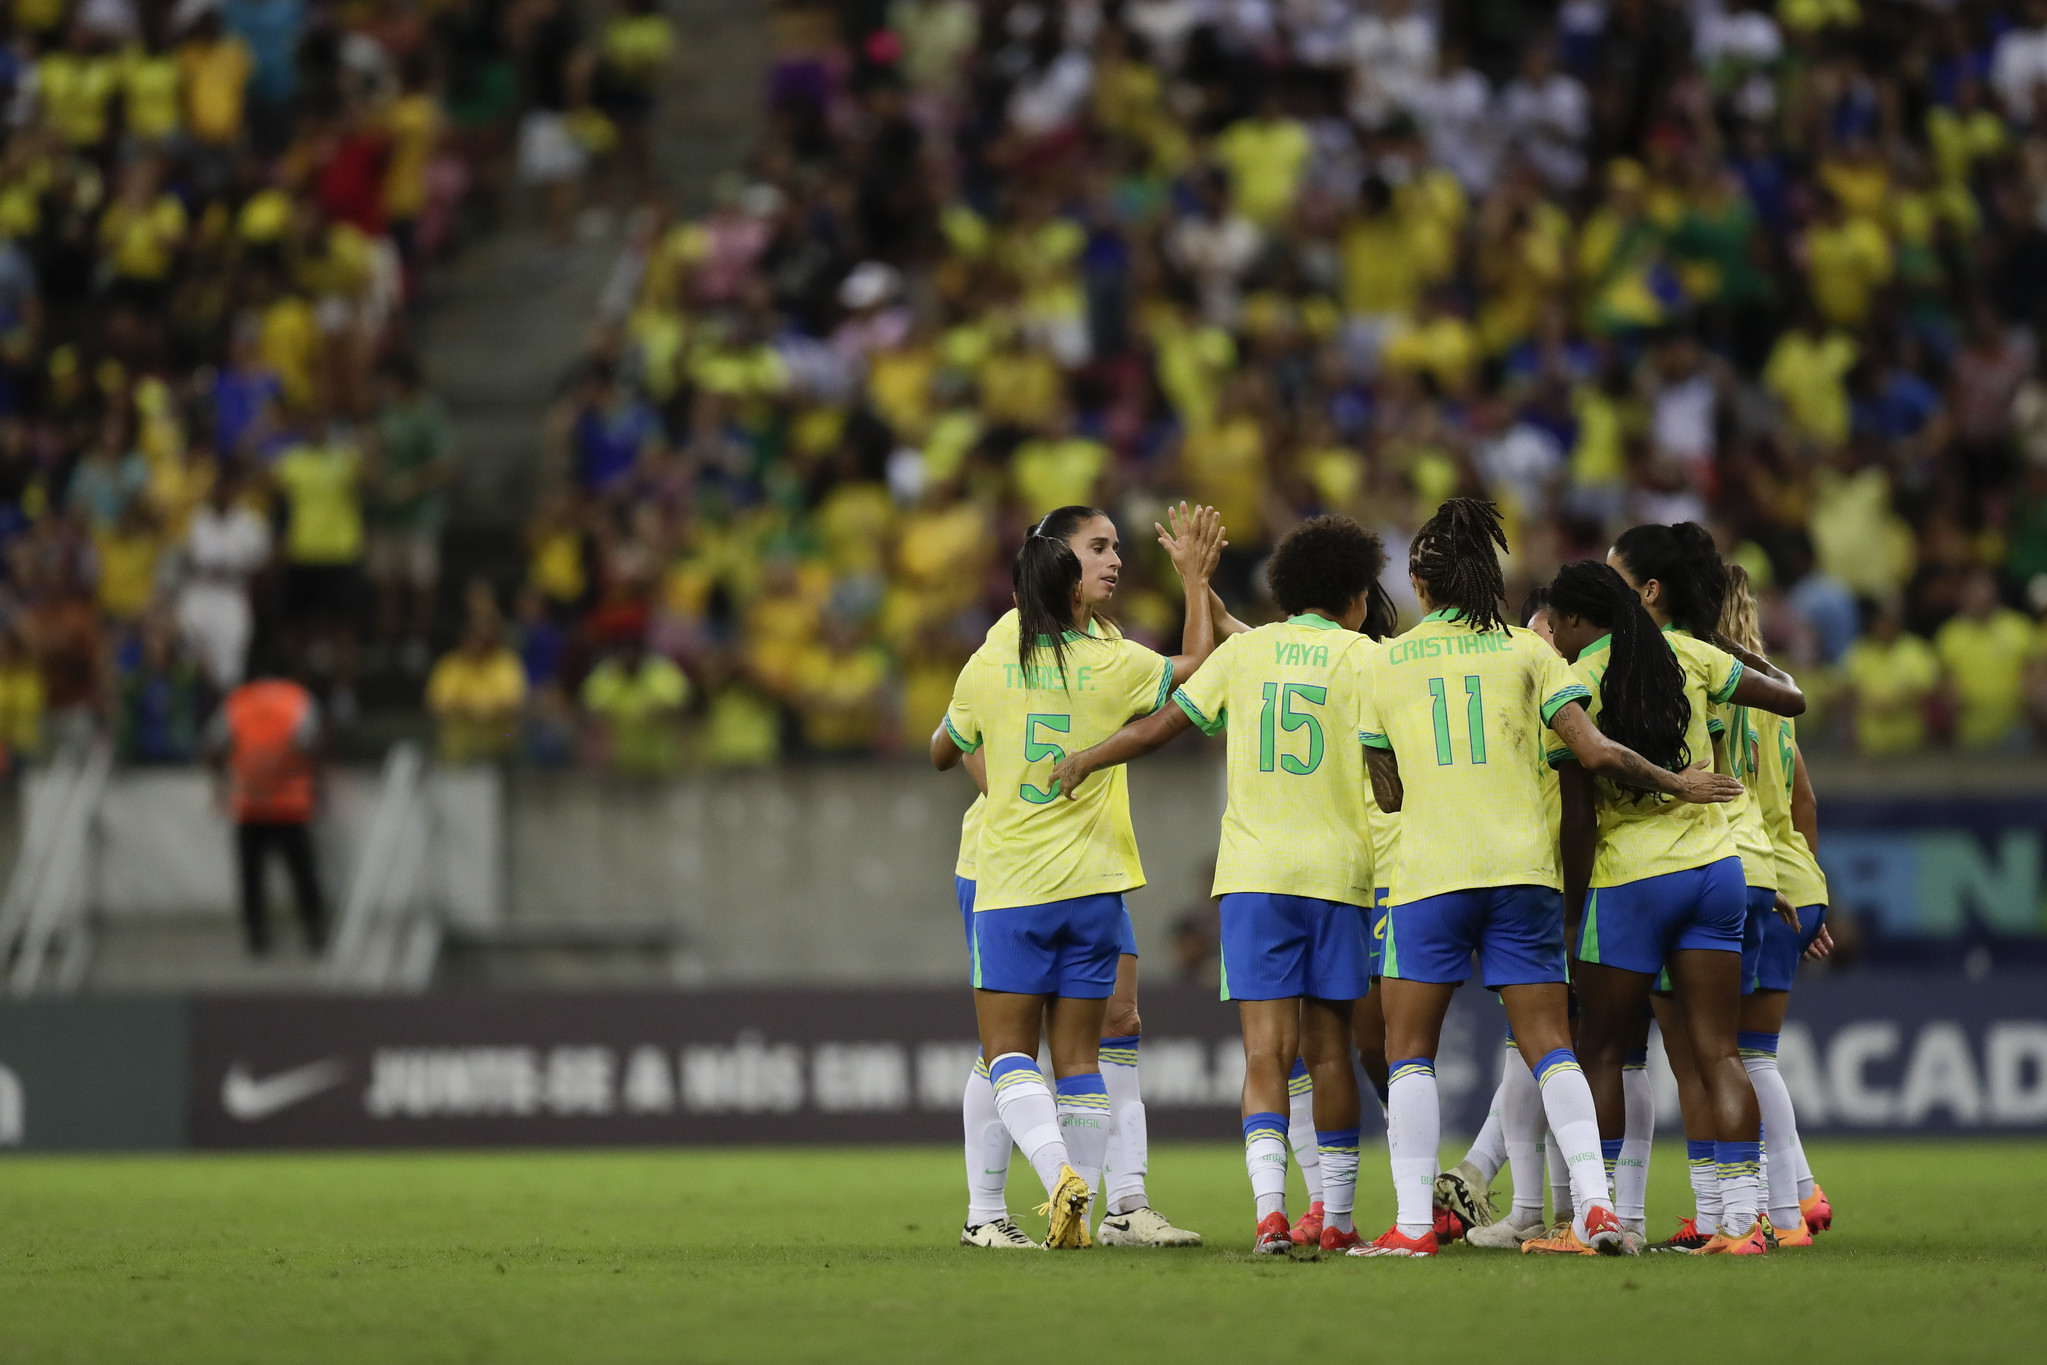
1642 701
1456 555
1044 577
1685 561
1324 563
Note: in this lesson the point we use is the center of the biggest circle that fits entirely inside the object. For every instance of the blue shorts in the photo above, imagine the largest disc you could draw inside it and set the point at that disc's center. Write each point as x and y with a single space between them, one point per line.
1762 908
1375 927
1635 925
1275 947
1517 932
1783 949
1067 948
963 891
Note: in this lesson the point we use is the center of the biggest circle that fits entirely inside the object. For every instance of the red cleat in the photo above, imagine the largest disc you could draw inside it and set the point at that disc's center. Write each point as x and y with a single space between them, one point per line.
1688 1238
1394 1242
1308 1231
1817 1212
1335 1239
1449 1226
1273 1238
1603 1231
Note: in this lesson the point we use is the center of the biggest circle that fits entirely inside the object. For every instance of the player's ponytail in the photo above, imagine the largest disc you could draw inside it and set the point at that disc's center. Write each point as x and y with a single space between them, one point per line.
1456 555
1045 577
1684 560
1739 620
1642 701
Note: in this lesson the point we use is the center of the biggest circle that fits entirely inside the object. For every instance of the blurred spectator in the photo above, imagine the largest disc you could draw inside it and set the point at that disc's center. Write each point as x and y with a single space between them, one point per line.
475 694
1891 677
408 507
1985 649
22 701
159 708
227 542
265 741
320 474
637 699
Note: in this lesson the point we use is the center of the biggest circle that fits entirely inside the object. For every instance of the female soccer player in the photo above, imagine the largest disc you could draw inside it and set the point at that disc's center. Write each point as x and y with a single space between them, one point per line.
1049 917
1665 881
1294 869
1452 719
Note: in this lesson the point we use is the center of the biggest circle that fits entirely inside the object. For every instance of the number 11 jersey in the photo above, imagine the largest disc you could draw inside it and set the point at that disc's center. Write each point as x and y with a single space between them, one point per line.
1466 712
1298 798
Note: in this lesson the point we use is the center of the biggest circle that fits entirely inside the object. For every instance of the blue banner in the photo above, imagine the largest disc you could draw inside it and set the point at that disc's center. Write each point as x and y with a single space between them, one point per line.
1930 880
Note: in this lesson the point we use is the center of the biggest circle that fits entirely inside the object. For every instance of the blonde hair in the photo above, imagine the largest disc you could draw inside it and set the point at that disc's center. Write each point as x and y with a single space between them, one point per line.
1738 619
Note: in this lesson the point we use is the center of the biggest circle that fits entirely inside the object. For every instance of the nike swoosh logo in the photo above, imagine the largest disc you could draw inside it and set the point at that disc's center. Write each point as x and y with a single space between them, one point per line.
248 1099
1001 1171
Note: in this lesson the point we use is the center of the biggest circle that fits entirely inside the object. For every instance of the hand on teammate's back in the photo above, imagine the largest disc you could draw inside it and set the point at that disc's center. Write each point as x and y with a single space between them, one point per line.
1703 787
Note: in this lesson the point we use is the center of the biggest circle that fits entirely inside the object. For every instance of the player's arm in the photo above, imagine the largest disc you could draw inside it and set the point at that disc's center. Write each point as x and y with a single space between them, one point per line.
1577 843
1226 625
1194 544
976 764
946 753
1762 684
1805 807
1601 757
1384 767
1142 736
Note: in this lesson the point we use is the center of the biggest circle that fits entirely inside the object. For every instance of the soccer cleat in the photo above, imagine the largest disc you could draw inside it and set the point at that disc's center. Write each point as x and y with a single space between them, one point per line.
1749 1243
1272 1237
1561 1240
1308 1231
1394 1242
1143 1227
1066 1212
1449 1226
1000 1233
1817 1212
1799 1236
1336 1239
1688 1238
1503 1235
1604 1233
1461 1191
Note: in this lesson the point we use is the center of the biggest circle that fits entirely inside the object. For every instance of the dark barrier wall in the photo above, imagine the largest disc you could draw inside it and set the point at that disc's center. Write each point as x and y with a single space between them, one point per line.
1868 1053
1930 879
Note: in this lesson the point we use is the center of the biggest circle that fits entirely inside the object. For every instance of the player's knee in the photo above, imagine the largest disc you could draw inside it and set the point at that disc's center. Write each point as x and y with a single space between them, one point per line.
1121 1021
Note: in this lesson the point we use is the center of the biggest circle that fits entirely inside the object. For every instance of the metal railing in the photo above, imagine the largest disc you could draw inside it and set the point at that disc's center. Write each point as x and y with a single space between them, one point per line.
45 912
388 937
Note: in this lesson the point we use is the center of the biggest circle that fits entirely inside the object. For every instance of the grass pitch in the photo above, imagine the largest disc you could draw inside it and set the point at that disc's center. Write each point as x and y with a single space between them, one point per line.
1940 1253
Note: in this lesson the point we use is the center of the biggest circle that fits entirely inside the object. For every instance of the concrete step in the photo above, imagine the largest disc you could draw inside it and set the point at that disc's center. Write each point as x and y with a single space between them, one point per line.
187 954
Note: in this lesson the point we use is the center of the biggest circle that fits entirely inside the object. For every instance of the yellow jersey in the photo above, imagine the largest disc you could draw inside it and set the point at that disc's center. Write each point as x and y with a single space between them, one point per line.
1735 727
1798 872
1036 846
1382 829
1464 711
1296 823
970 838
1646 834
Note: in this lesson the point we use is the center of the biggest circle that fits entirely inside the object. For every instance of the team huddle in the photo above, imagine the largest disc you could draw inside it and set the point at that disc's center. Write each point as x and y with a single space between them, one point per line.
1603 808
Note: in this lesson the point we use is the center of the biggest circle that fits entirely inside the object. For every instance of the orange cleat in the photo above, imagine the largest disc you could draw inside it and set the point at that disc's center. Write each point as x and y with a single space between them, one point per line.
1688 1239
1394 1242
1799 1236
1561 1240
1817 1212
1308 1231
1273 1237
1449 1226
1749 1243
1335 1239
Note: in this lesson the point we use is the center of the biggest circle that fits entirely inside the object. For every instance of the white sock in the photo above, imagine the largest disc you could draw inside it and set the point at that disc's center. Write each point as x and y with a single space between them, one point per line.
1559 1176
1414 1129
1631 1176
1025 1103
1521 1129
1084 1123
1705 1185
1785 1153
1567 1102
1735 1168
987 1145
1300 1130
1489 1149
1805 1185
1129 1142
1265 1161
1339 1153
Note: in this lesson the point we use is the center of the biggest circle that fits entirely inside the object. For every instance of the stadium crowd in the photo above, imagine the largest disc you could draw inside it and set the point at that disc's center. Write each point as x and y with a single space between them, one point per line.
1782 272
216 223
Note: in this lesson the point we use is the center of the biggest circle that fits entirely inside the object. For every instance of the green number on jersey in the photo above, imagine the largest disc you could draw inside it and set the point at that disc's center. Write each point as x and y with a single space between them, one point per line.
1474 718
1282 702
1037 751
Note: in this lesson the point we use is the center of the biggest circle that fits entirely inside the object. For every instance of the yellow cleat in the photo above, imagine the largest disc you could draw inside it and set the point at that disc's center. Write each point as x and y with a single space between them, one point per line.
1066 1214
1799 1236
1561 1240
1749 1243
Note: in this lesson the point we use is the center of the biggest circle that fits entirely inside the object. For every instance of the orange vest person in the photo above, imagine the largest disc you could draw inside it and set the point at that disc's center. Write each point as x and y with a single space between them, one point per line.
264 740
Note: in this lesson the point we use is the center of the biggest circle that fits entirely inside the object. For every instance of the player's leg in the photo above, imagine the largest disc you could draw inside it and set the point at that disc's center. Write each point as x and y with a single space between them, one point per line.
1326 1047
1538 1013
1518 1102
1272 1039
1368 1017
1463 1193
1612 1001
1129 1144
1697 1112
1638 1136
1790 1190
1300 1136
1560 1210
986 1141
1708 986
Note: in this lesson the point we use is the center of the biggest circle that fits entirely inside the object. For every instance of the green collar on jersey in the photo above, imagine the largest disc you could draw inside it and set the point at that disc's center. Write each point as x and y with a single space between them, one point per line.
1045 641
1603 642
1444 614
1309 618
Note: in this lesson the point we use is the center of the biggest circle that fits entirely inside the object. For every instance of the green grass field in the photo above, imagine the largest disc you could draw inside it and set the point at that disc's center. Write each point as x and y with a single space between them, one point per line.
1938 1254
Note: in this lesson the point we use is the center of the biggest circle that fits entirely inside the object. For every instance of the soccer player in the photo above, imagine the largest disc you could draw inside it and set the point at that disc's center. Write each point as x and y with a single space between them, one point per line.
1783 796
1452 719
1049 918
1661 883
1294 869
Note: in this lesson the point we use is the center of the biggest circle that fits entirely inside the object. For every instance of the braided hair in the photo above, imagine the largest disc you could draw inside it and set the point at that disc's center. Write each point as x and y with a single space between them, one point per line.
1685 561
1044 577
1456 555
1642 701
1324 563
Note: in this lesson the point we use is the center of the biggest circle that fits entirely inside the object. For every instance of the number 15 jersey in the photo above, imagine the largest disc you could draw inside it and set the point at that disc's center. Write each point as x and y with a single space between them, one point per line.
1465 712
1037 846
1298 798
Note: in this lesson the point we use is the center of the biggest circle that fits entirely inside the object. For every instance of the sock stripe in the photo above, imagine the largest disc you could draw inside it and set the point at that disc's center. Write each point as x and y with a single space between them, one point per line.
1755 1045
1087 1091
1119 1051
1012 1069
1339 1140
1299 1082
1556 1063
981 1067
1636 1061
1265 1125
1413 1066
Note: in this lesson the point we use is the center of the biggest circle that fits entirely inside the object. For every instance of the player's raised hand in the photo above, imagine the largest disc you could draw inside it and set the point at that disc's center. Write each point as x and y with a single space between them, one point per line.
1194 542
1704 787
